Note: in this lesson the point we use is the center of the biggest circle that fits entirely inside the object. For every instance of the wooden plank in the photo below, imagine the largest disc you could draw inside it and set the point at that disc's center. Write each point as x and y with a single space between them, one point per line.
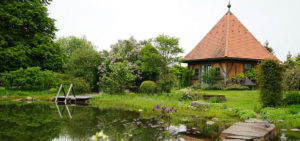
242 130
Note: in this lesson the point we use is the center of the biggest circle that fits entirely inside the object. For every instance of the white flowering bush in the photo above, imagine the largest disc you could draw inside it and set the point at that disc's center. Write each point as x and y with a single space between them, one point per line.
118 79
292 79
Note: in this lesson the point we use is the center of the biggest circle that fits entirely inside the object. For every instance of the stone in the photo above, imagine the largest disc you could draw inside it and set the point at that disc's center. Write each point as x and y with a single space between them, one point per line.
140 110
215 119
28 98
283 130
295 130
210 122
280 120
198 103
4 96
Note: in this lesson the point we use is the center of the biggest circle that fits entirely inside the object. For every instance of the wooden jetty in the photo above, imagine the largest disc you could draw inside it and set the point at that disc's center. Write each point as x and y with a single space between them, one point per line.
73 98
248 131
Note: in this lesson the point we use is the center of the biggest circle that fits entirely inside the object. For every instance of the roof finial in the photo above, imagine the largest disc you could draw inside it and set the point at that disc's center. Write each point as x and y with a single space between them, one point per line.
229 6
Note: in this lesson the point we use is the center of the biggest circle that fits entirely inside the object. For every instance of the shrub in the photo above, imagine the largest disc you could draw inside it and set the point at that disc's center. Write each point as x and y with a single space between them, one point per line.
52 90
120 77
165 83
210 77
190 95
292 79
251 74
217 86
236 87
132 94
148 87
292 98
246 114
197 85
214 100
32 78
83 62
270 82
80 85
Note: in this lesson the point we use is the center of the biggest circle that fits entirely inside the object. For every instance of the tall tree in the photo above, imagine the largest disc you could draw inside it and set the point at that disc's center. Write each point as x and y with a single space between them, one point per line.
71 43
152 63
168 47
270 49
26 36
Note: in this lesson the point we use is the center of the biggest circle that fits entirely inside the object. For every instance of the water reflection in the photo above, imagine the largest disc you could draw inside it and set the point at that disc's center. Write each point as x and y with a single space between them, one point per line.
64 107
48 121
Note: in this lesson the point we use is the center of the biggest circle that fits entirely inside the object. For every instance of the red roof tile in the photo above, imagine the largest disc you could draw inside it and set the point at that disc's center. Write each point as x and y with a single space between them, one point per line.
229 38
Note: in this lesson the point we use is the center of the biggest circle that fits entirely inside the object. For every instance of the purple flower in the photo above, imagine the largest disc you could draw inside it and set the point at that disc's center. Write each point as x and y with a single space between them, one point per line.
164 107
170 109
157 107
162 116
162 111
175 110
153 108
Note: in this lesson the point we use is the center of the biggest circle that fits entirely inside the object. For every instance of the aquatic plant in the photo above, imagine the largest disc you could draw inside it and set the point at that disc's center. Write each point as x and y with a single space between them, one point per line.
164 110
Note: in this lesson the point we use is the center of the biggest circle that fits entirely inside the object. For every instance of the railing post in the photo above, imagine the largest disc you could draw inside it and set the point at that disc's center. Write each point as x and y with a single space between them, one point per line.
61 85
71 86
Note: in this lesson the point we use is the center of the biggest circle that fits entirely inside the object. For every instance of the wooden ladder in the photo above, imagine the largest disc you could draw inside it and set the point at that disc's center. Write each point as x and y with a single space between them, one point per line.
61 88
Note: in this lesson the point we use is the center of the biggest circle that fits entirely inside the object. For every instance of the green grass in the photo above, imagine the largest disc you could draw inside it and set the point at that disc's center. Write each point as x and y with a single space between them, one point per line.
235 98
147 102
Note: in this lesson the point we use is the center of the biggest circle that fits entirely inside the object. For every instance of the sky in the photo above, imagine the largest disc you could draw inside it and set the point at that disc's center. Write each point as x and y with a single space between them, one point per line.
104 22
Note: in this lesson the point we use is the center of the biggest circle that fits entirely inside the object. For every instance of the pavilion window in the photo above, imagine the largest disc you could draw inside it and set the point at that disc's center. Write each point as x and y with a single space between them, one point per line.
196 72
206 68
218 72
248 67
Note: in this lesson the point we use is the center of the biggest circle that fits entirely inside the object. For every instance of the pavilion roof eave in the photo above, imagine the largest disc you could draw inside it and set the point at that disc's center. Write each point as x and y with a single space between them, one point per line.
221 59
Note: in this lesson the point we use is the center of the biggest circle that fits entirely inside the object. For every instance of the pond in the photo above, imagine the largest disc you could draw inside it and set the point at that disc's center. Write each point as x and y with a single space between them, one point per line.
51 122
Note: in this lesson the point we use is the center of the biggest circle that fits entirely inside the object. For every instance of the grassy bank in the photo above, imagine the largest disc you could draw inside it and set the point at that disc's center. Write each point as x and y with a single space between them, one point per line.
11 95
247 102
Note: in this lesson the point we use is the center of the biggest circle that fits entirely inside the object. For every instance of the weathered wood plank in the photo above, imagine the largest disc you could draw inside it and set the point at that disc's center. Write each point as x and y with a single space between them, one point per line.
242 130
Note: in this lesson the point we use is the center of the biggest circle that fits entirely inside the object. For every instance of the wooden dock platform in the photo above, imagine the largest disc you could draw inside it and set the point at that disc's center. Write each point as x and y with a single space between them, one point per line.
72 99
248 131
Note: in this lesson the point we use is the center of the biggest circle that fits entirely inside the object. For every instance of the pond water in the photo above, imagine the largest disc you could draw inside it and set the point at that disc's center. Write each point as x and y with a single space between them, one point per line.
50 122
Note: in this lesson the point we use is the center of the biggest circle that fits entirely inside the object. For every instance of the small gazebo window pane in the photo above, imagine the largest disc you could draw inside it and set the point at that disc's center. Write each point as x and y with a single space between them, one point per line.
248 66
196 72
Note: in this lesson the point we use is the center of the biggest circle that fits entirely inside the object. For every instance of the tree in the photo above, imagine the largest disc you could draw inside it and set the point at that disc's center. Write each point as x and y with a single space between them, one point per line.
125 51
152 63
71 43
84 62
270 76
120 77
168 47
270 49
183 75
26 36
292 62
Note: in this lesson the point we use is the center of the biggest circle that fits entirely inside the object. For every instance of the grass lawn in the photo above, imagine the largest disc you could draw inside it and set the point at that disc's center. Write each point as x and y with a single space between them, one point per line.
242 99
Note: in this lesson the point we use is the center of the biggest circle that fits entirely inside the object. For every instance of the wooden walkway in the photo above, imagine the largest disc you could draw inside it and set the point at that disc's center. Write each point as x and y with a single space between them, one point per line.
78 98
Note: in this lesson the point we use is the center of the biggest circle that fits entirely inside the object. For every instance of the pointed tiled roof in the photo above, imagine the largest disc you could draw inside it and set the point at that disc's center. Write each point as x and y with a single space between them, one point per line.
229 38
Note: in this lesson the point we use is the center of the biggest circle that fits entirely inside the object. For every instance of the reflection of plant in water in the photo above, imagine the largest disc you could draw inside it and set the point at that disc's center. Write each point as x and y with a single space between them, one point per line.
99 136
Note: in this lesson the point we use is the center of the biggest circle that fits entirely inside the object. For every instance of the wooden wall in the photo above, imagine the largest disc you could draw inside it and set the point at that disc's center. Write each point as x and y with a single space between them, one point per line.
237 67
